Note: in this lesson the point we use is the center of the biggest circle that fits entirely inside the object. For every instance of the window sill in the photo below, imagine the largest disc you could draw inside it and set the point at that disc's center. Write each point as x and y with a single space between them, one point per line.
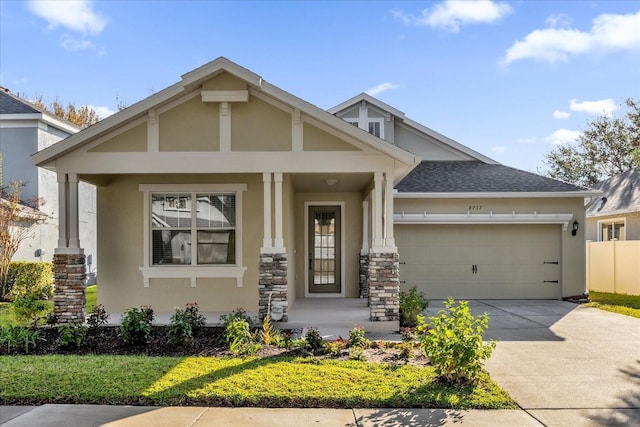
193 273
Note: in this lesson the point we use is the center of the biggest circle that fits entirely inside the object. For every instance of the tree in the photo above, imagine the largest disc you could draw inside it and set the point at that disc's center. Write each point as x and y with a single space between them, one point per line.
609 146
82 116
17 222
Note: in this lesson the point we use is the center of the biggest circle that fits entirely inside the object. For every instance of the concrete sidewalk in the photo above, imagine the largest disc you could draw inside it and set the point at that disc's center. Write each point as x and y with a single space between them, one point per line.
129 416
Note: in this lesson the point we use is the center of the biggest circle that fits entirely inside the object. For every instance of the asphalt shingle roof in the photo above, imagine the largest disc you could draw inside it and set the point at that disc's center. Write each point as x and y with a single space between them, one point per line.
476 177
10 104
620 194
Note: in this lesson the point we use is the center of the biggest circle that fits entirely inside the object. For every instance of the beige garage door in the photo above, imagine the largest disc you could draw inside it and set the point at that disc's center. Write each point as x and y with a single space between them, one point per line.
480 261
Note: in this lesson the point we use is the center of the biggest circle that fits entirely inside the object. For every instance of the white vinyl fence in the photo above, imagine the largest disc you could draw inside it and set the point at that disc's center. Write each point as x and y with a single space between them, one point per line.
614 266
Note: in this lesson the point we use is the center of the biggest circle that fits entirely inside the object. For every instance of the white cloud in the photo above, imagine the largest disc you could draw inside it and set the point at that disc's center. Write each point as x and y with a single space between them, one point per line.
608 33
74 15
563 136
103 112
499 149
73 44
603 106
559 20
450 15
527 140
561 115
382 87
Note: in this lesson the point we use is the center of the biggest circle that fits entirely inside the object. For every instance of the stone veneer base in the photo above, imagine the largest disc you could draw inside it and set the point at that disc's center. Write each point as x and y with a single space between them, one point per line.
364 275
384 286
68 292
272 281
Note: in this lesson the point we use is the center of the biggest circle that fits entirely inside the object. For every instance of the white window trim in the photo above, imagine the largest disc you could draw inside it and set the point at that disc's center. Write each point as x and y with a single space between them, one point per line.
376 120
192 272
343 251
601 222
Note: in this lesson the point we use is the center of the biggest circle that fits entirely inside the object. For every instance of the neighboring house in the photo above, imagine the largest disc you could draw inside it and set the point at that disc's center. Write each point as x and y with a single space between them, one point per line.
24 130
226 190
615 215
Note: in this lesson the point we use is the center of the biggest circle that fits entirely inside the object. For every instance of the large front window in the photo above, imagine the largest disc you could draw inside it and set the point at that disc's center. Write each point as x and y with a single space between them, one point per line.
190 228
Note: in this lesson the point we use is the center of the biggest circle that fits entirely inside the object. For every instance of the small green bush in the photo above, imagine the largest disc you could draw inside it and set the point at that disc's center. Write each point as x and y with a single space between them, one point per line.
453 342
314 339
184 324
28 309
71 335
238 313
135 327
19 337
30 280
238 336
412 304
97 317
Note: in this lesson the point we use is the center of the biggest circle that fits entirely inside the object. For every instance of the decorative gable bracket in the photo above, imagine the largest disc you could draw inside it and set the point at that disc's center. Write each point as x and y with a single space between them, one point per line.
225 96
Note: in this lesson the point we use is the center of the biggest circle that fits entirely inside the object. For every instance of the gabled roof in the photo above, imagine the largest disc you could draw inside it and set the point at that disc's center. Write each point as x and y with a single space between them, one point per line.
620 195
13 107
460 178
400 116
192 80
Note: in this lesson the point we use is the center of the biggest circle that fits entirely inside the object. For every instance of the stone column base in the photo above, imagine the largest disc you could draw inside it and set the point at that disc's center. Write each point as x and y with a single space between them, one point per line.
68 287
364 275
384 287
273 282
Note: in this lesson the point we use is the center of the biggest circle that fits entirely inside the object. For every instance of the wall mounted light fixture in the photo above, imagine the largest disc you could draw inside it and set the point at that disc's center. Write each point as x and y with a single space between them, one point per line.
574 228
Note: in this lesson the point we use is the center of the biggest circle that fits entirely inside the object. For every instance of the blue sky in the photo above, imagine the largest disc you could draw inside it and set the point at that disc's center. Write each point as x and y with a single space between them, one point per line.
507 78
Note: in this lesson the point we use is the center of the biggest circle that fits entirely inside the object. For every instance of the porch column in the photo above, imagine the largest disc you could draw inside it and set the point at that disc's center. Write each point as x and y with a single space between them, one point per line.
389 239
378 241
273 267
68 259
364 252
279 241
266 241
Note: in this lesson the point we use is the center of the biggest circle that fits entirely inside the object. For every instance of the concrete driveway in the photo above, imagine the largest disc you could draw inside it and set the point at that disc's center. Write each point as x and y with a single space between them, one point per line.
563 363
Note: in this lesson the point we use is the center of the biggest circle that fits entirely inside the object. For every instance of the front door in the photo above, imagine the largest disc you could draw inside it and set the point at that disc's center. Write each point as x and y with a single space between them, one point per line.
324 249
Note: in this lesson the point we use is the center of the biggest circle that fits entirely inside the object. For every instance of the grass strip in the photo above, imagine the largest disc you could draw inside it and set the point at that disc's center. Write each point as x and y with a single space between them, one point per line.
213 381
629 305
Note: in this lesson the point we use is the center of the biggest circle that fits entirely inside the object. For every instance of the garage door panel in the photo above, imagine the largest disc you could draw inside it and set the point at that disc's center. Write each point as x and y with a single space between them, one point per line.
510 260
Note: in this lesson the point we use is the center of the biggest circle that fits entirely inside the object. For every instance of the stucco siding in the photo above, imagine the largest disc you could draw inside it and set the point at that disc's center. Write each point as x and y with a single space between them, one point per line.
190 126
632 225
258 126
318 140
121 247
133 140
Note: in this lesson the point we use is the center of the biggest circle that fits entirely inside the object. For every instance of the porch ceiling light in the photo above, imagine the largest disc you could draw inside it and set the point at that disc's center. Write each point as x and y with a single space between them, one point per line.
331 181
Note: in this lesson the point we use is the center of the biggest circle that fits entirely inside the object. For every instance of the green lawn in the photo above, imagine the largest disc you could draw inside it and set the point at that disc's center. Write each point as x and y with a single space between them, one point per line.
7 318
628 305
272 382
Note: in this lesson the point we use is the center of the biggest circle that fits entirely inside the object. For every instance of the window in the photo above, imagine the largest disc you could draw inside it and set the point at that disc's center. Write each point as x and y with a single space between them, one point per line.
374 128
612 230
193 228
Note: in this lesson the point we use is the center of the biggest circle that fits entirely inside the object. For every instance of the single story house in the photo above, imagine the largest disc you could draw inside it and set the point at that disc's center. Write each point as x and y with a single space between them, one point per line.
226 190
615 215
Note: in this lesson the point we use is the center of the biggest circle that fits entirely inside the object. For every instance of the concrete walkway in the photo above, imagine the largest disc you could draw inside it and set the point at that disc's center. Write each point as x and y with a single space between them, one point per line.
565 365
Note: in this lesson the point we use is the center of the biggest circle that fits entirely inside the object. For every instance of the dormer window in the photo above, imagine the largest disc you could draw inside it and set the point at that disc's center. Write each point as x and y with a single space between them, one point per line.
376 128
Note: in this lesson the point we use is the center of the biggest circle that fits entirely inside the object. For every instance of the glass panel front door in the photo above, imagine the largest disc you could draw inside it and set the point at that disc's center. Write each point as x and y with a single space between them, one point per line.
324 249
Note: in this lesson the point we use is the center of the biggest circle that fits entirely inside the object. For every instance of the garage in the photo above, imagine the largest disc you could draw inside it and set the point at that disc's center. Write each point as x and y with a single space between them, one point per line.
481 261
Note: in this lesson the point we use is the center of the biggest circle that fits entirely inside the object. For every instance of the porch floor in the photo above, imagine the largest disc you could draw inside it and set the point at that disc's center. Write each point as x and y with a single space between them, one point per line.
334 317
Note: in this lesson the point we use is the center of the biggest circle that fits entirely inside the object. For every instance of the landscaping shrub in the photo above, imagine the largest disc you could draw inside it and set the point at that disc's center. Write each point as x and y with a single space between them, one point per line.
184 324
18 337
357 339
314 339
453 342
135 327
30 280
70 335
334 348
412 304
97 317
238 336
238 313
28 308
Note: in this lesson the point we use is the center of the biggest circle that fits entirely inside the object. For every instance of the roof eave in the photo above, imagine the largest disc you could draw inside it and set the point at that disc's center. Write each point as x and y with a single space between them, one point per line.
495 195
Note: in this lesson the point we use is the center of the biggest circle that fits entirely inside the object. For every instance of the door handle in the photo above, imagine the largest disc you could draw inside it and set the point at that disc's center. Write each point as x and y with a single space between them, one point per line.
310 264
474 269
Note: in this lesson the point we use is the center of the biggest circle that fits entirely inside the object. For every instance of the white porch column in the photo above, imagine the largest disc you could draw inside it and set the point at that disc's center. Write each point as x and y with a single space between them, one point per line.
72 212
279 240
62 211
389 241
365 227
267 243
378 241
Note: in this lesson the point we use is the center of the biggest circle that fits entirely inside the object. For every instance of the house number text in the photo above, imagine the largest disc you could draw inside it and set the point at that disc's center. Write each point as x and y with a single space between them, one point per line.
475 207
